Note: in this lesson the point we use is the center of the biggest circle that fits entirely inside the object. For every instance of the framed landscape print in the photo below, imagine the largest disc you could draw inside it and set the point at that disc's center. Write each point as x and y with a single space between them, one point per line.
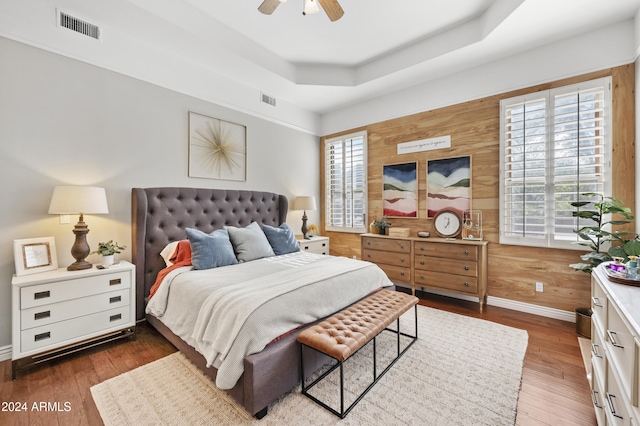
448 185
217 148
400 190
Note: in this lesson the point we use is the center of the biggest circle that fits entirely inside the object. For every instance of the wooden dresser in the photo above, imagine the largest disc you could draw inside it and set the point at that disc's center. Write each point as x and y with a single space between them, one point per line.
456 266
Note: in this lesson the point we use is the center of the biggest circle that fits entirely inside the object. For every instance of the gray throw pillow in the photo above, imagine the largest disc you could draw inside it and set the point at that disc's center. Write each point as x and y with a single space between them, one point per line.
249 242
210 250
281 239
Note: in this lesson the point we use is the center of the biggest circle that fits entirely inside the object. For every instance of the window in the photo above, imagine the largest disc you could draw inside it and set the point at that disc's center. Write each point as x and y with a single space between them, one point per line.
346 182
554 146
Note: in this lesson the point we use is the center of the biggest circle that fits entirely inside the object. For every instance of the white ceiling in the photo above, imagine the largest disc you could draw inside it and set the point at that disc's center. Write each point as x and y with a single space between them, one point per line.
378 47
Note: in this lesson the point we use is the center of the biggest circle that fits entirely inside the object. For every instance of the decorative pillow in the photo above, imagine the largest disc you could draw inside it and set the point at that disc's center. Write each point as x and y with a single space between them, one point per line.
210 250
249 242
168 252
281 239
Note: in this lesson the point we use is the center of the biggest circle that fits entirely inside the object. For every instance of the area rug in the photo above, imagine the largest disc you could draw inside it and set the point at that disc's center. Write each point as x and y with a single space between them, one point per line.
461 371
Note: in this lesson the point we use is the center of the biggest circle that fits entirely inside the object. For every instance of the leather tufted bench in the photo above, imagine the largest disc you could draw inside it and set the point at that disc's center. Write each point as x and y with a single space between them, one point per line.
344 333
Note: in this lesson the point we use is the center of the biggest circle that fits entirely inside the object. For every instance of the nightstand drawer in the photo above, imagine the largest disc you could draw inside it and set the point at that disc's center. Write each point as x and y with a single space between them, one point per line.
446 281
55 312
53 292
73 330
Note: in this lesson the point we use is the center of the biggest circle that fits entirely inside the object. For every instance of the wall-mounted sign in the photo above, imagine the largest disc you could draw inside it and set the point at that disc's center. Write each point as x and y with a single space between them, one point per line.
425 145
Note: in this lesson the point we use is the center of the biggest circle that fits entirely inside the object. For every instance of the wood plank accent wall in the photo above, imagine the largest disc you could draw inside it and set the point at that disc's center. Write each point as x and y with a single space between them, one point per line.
474 130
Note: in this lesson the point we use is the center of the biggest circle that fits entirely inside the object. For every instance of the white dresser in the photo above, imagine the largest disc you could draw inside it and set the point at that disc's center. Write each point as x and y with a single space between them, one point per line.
55 311
615 357
318 245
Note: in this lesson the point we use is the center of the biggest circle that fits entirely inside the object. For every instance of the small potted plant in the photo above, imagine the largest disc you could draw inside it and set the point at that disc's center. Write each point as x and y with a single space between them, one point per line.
382 224
107 251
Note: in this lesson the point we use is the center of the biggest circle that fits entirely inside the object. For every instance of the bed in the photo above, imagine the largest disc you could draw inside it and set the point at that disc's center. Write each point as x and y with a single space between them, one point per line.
161 216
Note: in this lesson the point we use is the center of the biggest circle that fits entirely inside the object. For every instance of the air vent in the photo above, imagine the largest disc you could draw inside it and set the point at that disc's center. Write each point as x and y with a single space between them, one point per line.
78 25
268 100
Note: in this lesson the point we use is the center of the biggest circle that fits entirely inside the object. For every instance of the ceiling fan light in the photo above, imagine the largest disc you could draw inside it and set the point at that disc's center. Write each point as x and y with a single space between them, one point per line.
310 7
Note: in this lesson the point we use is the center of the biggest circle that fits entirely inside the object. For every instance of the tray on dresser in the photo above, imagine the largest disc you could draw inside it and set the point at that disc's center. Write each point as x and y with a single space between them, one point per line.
620 277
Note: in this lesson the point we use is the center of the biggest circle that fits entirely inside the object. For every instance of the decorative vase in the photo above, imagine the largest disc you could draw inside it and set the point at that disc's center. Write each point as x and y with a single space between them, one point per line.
107 260
372 227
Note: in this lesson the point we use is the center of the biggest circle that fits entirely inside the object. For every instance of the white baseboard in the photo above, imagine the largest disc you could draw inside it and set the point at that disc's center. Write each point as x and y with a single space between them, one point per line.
510 304
5 353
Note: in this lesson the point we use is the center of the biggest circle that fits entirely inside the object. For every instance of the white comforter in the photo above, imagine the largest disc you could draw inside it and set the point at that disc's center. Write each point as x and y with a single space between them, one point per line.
229 312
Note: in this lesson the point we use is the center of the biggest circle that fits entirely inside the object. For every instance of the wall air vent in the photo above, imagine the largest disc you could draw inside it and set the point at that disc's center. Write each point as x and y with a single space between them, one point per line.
78 25
268 100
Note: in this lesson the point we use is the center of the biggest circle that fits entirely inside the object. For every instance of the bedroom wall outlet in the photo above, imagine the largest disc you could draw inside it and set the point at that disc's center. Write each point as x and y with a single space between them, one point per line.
64 218
539 286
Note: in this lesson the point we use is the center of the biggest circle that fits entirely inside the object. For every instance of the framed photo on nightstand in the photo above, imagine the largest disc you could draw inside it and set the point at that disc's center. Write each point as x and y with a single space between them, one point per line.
34 255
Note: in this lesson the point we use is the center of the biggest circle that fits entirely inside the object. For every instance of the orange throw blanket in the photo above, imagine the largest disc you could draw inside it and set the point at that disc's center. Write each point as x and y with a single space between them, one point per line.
182 257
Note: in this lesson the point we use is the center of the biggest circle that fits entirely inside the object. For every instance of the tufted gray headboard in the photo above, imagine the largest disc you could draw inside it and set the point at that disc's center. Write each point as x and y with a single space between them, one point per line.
160 216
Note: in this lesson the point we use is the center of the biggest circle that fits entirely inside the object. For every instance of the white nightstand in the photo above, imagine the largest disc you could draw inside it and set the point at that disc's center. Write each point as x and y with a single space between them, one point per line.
319 245
59 311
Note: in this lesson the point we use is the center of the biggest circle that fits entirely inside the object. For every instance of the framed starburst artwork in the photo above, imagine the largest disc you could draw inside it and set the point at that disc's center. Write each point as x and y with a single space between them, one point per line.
217 148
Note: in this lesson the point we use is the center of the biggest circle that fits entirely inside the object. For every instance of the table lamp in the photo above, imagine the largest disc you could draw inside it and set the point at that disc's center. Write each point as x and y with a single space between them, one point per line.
79 200
304 203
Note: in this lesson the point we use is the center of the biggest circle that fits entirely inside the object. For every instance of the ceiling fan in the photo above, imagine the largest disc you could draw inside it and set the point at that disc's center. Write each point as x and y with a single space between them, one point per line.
331 7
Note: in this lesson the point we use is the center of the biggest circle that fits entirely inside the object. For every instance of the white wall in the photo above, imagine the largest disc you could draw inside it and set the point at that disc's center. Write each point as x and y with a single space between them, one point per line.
64 122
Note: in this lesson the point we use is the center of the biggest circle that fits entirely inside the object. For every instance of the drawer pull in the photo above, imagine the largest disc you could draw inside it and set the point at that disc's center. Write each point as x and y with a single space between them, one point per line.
596 302
41 295
422 248
422 277
612 408
41 336
402 246
402 273
612 338
41 315
324 244
368 243
115 299
115 317
115 281
466 252
466 268
594 395
422 262
402 259
594 349
368 255
466 283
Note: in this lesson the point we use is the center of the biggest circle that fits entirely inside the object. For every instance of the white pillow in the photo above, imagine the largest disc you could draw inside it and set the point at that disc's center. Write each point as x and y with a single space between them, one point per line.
249 242
168 251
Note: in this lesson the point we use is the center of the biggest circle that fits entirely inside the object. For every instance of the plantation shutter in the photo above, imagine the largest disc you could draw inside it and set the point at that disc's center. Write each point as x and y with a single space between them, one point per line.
345 185
555 146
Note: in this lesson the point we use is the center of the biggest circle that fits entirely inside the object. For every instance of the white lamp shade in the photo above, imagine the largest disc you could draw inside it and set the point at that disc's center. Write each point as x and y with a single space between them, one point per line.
304 203
78 200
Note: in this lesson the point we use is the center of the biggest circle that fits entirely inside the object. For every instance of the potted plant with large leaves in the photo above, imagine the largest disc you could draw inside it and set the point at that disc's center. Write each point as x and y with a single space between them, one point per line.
597 235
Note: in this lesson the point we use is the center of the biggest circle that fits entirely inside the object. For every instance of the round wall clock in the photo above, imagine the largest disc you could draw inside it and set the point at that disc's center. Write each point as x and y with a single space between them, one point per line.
447 223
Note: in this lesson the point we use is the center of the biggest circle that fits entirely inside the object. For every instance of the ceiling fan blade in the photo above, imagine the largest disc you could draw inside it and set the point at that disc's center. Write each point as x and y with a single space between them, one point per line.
268 6
332 8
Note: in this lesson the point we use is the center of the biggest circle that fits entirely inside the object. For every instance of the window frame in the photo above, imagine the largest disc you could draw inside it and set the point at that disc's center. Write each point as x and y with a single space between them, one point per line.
549 241
329 226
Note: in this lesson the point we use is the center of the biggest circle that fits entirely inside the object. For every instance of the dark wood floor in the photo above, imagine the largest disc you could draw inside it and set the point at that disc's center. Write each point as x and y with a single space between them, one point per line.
554 385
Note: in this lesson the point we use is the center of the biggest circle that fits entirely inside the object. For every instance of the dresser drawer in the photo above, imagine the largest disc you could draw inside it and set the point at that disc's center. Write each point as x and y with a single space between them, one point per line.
318 246
446 266
386 244
397 273
446 281
61 311
598 356
380 257
620 348
598 396
599 302
53 292
614 401
448 251
73 330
